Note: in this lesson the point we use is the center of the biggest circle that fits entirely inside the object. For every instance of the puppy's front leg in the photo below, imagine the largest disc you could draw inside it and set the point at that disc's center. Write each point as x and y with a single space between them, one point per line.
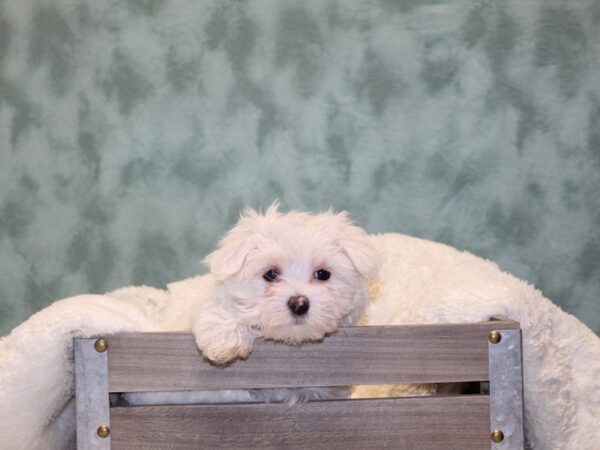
221 335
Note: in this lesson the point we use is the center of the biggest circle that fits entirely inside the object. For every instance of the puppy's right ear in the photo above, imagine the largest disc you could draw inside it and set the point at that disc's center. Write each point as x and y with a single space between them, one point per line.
232 251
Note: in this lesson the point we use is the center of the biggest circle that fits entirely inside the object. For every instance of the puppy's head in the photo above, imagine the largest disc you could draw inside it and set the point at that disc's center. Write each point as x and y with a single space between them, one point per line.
294 276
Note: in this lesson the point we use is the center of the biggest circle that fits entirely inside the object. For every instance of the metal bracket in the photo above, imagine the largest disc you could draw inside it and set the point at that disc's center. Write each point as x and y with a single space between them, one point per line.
91 394
506 390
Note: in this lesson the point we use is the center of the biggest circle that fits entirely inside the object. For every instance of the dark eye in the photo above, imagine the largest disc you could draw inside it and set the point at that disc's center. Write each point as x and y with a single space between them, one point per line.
322 275
271 275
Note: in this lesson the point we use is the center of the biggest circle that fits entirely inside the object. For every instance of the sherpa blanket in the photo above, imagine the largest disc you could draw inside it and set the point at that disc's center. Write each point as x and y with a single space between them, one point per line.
420 282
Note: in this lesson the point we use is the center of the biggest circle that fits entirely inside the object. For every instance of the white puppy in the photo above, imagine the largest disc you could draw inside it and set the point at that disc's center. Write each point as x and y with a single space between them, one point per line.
297 277
290 277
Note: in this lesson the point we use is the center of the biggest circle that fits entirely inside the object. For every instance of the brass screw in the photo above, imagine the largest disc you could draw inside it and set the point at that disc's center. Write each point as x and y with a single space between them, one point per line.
497 436
103 431
101 345
495 337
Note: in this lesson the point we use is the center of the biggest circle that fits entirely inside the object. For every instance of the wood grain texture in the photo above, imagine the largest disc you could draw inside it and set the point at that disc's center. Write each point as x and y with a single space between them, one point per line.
141 362
460 422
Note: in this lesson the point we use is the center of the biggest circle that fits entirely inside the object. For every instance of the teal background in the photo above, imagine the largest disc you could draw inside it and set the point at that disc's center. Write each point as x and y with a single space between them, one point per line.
132 132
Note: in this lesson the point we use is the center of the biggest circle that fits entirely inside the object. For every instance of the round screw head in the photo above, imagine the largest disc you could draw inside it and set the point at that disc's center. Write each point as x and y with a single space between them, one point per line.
101 345
495 337
103 431
497 436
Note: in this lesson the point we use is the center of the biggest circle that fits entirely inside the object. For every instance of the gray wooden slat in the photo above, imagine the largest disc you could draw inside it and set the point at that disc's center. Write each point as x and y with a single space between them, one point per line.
506 390
425 423
91 395
141 362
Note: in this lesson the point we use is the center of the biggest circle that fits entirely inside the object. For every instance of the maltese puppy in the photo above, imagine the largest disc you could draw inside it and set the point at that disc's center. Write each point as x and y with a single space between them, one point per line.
292 277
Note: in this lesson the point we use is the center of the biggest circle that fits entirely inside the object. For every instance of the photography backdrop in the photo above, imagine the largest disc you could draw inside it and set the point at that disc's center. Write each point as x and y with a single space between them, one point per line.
132 133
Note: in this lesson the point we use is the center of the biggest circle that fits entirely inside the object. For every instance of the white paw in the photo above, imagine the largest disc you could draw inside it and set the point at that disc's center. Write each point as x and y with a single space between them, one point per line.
222 345
221 355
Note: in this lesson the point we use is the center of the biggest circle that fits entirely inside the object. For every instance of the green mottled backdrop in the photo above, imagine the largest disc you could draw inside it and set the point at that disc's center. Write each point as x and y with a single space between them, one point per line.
132 132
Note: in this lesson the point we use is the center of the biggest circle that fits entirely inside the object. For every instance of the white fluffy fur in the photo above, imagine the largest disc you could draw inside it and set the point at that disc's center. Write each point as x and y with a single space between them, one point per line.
245 306
419 282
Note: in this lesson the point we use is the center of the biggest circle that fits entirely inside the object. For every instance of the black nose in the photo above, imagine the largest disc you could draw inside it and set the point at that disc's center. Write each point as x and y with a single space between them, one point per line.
298 305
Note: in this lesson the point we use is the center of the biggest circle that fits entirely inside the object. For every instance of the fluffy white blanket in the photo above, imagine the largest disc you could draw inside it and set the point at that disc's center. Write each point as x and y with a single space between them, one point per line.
420 282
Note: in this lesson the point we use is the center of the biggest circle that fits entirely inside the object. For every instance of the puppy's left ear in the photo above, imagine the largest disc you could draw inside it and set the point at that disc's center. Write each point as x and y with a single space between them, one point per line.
228 259
355 243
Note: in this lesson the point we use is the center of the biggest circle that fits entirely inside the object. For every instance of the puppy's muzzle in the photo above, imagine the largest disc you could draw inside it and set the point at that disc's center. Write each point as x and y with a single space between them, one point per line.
298 305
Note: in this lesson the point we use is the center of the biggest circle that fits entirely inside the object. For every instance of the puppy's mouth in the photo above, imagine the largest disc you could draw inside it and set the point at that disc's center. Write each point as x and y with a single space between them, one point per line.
299 320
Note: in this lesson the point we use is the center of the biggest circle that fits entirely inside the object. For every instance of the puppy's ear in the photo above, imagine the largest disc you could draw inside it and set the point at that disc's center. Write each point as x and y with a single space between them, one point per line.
229 257
354 241
233 249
